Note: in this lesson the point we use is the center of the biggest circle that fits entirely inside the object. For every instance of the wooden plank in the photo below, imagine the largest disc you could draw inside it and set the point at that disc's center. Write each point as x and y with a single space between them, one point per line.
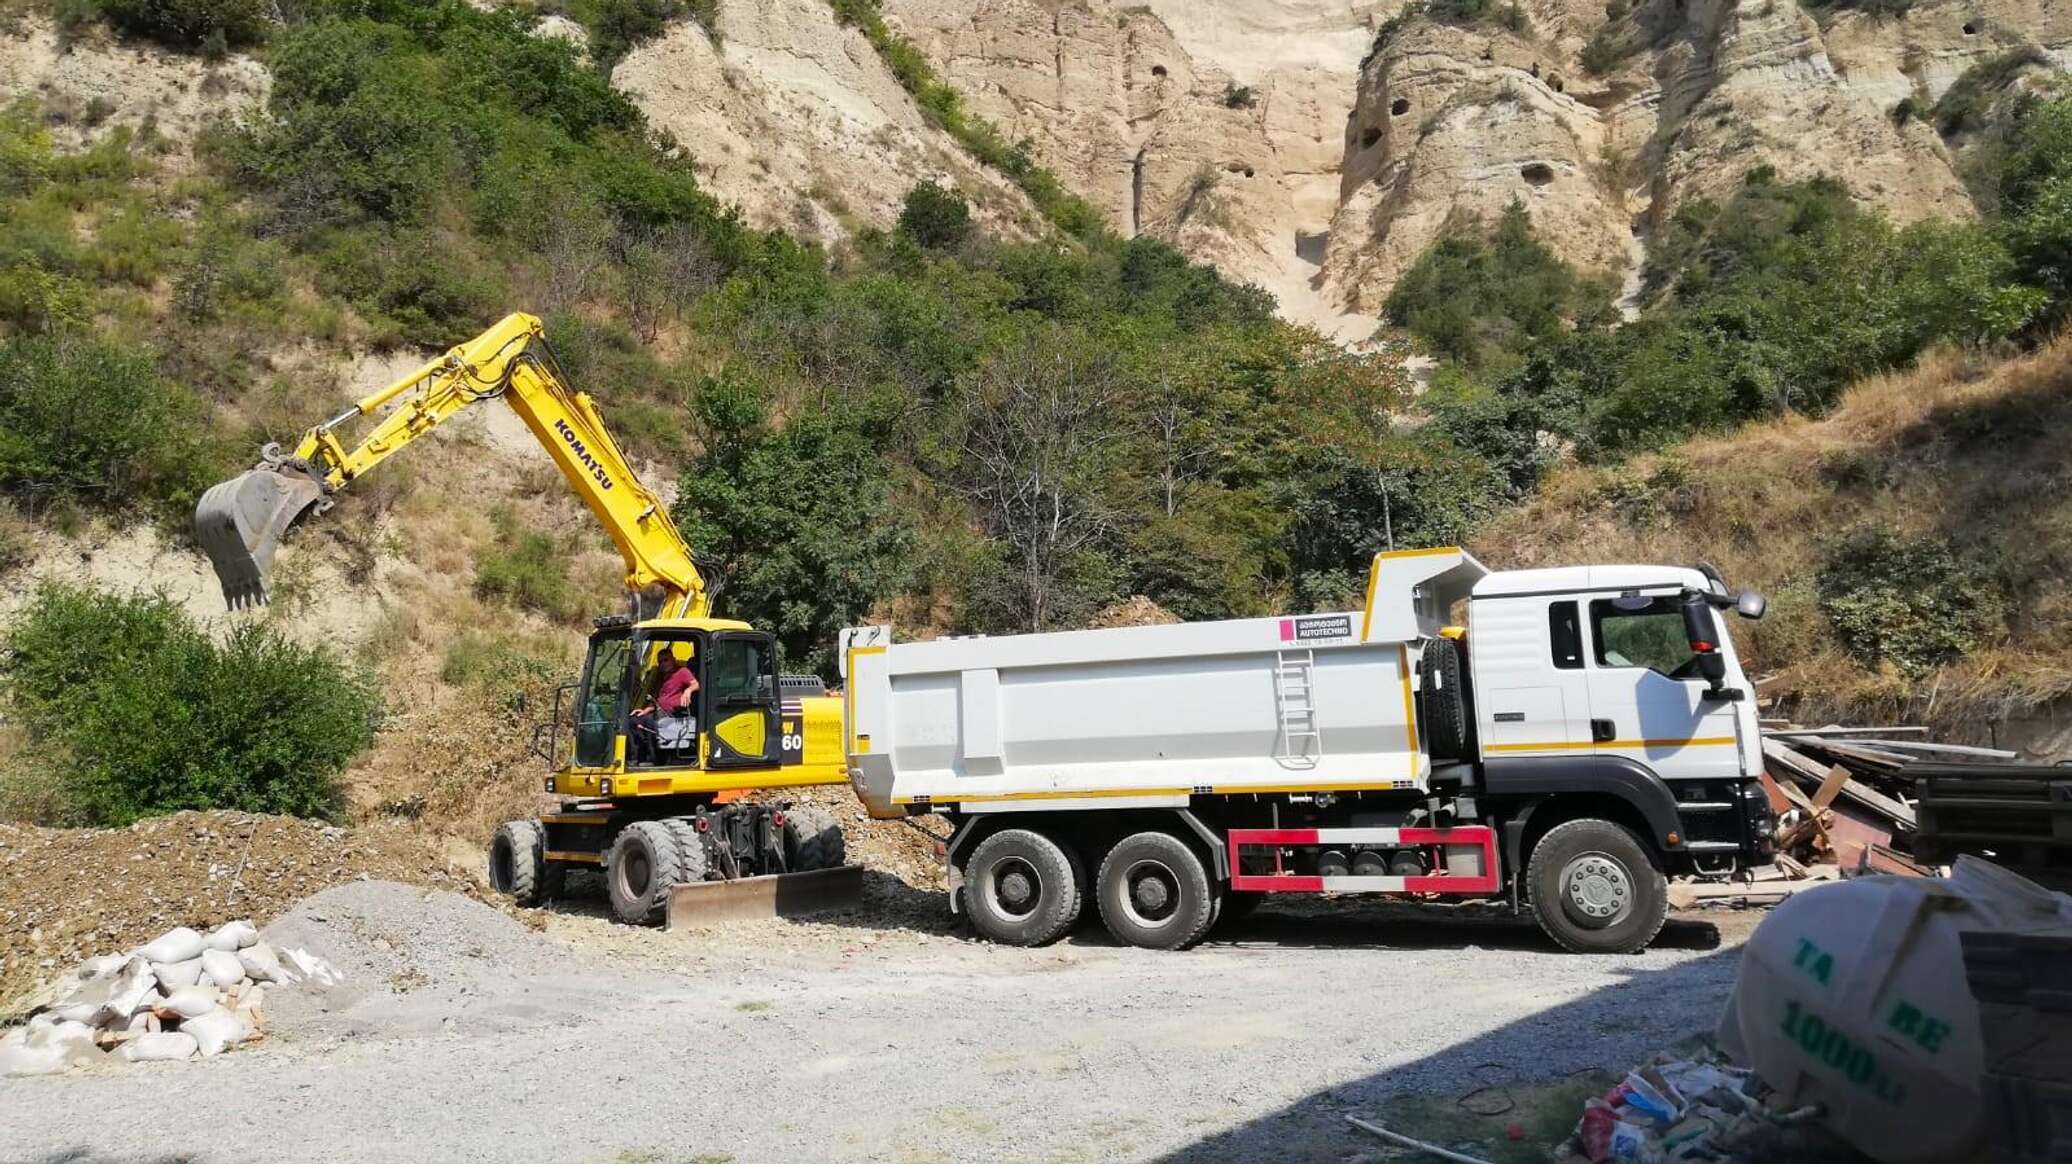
1832 730
1831 786
1926 748
1867 755
1852 831
1806 770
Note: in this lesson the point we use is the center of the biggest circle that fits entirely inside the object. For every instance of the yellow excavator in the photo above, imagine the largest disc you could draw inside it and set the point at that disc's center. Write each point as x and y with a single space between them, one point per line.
650 763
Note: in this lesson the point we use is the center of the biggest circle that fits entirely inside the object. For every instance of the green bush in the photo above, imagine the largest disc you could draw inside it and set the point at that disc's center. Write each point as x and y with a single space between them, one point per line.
935 217
147 715
506 667
191 24
528 569
1966 106
617 27
1904 601
90 422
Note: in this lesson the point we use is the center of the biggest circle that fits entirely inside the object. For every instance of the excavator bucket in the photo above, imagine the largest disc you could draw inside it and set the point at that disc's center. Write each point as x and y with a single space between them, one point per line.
780 895
239 524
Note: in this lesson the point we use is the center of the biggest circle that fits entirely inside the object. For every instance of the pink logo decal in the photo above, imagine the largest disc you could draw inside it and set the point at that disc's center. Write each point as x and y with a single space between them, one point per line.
1287 630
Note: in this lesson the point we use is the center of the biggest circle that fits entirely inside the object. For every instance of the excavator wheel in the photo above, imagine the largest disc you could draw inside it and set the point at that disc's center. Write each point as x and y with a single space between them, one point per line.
694 859
518 863
812 839
645 863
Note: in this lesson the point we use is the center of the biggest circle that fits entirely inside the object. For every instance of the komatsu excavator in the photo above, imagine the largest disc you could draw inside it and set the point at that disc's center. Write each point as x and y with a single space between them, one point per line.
651 776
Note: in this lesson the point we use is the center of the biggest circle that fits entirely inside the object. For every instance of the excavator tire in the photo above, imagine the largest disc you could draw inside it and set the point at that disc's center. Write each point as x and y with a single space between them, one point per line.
812 839
643 866
1445 702
693 858
518 863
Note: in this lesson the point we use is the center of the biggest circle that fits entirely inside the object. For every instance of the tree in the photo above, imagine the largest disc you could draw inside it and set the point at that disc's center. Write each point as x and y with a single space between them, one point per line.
1043 451
936 218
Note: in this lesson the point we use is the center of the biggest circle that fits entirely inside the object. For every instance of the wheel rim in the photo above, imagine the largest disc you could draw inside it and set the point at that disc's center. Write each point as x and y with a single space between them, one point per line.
501 865
1597 890
636 872
1150 893
1014 887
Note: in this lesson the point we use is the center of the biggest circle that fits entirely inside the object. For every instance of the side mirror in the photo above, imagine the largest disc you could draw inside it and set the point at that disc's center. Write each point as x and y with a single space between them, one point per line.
1751 604
1713 667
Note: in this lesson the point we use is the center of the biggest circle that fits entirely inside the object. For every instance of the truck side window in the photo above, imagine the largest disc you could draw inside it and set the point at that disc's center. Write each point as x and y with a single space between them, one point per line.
1650 635
1565 632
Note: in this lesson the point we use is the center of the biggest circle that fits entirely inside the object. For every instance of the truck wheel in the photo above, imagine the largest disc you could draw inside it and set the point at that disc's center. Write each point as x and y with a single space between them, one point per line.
812 839
1154 892
644 863
1445 701
518 861
1022 888
1594 890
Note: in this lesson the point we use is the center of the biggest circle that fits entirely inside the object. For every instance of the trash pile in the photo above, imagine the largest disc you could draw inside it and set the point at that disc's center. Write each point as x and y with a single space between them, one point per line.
183 995
1686 1109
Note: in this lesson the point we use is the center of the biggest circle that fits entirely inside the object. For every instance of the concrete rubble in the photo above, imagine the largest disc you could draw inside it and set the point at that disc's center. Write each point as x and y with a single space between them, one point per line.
184 995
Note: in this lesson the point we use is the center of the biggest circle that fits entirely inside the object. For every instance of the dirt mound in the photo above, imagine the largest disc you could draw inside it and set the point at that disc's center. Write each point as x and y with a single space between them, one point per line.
1136 610
66 894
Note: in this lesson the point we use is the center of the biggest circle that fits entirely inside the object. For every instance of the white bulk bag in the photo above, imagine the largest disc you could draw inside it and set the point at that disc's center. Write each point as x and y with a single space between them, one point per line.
162 1047
222 968
232 936
174 975
216 1030
191 1001
175 945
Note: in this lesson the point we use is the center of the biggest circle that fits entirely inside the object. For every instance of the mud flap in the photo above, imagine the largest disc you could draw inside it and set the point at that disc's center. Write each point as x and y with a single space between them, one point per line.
779 895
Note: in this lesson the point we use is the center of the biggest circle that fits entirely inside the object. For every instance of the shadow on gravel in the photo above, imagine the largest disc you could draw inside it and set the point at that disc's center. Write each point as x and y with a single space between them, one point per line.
1671 1003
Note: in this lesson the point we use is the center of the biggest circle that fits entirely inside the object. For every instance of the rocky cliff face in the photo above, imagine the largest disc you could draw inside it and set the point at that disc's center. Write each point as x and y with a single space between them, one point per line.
1281 142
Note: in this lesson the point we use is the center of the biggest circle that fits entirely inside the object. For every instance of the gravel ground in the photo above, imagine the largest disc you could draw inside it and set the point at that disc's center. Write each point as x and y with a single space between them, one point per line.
464 1035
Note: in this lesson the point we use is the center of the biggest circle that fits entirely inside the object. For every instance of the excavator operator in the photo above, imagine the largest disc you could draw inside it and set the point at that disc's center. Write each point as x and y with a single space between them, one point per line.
667 722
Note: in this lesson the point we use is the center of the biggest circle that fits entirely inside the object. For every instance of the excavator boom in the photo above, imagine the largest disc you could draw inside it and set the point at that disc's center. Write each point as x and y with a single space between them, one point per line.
240 522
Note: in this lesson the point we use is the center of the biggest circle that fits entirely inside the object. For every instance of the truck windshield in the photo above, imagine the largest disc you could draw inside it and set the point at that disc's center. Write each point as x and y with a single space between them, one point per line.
1650 636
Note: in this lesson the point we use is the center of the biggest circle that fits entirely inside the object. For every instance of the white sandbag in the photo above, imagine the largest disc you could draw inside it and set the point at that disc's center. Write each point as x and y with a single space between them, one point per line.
232 936
46 1049
262 964
310 966
174 975
191 1001
75 1012
174 945
110 997
217 1030
166 1046
102 966
222 968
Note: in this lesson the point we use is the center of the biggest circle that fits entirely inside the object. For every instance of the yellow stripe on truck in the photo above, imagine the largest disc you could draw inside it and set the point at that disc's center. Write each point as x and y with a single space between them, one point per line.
1590 745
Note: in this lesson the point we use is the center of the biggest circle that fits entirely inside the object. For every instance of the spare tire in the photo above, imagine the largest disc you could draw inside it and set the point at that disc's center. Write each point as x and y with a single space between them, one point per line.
1448 731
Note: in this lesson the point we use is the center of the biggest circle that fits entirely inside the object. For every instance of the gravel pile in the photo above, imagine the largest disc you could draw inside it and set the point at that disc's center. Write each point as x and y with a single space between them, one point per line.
186 994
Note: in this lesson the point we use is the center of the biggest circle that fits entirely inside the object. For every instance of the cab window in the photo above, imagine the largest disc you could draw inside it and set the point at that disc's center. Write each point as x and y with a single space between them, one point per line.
737 671
597 711
1635 632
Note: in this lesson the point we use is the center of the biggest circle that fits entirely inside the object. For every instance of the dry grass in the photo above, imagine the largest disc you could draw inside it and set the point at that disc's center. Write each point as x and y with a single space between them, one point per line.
1961 449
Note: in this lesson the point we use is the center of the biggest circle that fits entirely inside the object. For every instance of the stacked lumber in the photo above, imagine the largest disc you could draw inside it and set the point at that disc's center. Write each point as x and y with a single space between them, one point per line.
1889 800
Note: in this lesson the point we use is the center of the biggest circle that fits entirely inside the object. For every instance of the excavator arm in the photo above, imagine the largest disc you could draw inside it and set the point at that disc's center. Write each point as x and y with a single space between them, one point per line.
240 522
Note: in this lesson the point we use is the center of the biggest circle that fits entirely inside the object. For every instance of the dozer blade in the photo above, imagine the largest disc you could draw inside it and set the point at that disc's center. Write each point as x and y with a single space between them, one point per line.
783 895
239 524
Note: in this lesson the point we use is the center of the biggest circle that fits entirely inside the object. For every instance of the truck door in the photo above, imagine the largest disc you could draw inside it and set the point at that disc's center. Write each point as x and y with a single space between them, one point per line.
742 704
1647 697
1530 688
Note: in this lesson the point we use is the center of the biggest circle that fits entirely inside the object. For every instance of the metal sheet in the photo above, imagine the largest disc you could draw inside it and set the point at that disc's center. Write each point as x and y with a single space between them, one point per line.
783 895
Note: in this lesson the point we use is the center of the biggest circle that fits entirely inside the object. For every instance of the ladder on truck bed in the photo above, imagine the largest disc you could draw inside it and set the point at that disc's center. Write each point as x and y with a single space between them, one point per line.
1301 740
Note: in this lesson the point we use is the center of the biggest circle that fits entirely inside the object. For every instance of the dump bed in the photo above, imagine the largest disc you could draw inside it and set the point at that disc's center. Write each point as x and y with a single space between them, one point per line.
1151 716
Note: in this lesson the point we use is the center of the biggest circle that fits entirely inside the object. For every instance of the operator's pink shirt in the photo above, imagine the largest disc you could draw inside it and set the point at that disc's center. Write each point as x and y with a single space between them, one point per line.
675 695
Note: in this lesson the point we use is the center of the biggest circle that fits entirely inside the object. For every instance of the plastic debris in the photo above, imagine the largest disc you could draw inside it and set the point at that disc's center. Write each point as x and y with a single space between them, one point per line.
1676 1109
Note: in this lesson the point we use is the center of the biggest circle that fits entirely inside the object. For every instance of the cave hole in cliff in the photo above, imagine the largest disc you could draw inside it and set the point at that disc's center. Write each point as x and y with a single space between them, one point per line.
1554 79
1310 247
1537 173
1158 70
1369 136
1237 168
1971 28
1399 106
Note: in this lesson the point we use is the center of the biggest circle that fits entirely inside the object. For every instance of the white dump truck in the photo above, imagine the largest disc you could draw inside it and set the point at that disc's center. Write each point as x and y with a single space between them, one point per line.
1579 735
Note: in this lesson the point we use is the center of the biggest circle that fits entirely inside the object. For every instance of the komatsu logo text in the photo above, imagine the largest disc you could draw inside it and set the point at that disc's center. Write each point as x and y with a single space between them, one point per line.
575 444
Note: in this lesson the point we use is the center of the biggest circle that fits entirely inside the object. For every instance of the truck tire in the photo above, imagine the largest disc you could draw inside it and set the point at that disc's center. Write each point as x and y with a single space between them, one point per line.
1594 890
1445 701
812 839
643 866
693 859
1155 893
1022 888
518 862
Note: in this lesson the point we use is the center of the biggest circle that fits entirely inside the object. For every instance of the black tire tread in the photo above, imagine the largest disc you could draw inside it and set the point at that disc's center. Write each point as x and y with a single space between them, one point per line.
1647 877
694 861
813 838
1064 869
1445 701
528 844
663 859
1187 863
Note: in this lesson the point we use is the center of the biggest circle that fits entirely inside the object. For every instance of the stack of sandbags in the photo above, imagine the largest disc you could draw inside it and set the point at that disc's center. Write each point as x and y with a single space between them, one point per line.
182 995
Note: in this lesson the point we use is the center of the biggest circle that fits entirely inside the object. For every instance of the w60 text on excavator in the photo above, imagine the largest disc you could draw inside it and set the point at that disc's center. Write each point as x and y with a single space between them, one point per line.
676 712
